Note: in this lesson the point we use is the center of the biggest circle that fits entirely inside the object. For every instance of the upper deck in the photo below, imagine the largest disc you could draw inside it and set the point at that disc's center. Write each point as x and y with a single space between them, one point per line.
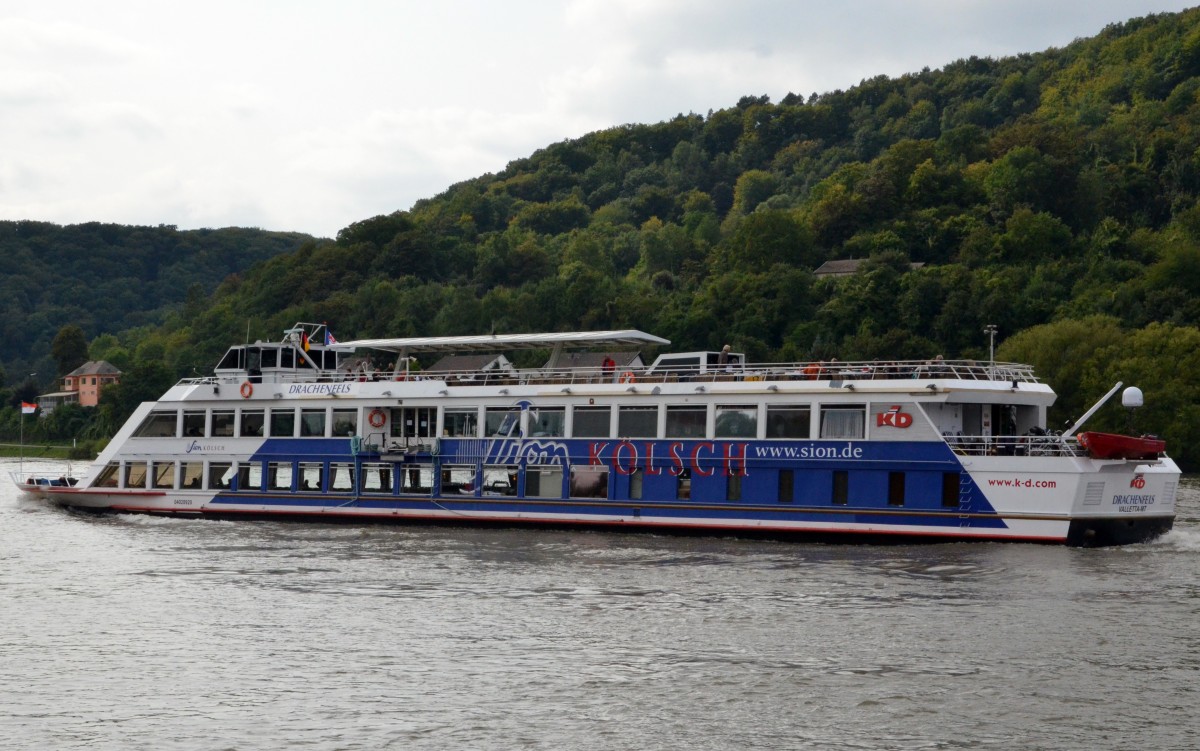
299 358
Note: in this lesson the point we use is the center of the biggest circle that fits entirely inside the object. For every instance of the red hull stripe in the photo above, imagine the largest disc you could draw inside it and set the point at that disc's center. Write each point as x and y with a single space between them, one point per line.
732 528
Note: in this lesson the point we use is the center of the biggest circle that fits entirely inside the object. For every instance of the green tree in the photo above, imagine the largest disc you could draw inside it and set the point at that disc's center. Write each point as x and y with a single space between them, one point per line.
69 349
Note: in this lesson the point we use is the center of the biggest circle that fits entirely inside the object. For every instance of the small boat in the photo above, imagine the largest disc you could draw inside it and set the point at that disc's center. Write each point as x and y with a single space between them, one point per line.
1116 446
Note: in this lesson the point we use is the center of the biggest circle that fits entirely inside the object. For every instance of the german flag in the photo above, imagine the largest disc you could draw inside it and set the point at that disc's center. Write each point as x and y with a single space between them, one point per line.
304 340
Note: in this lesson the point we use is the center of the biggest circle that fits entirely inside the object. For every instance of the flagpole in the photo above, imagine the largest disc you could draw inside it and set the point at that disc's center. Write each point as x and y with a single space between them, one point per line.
21 463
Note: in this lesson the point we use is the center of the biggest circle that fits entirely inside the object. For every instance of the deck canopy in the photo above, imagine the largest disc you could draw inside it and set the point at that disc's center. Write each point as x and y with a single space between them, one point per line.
503 342
557 342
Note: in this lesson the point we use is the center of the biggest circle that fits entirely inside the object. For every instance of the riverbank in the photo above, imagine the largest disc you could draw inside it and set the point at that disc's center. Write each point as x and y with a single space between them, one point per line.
36 451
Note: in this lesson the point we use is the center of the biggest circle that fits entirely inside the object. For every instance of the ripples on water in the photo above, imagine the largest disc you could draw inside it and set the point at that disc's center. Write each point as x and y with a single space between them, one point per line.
145 633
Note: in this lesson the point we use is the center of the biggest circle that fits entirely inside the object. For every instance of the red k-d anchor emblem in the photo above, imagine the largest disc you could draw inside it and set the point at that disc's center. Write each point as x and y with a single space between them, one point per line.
893 418
1138 482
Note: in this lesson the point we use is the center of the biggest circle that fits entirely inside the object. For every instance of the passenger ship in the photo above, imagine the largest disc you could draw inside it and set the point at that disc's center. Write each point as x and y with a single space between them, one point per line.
699 442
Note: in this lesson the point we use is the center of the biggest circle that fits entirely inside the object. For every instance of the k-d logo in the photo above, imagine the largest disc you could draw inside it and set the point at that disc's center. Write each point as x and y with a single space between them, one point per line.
893 418
1138 482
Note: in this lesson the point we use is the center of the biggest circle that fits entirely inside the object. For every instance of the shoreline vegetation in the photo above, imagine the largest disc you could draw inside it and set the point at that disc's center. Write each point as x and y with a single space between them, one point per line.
40 451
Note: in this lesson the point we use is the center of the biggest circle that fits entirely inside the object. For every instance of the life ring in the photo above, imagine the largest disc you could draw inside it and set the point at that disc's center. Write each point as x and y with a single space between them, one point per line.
376 418
628 377
247 389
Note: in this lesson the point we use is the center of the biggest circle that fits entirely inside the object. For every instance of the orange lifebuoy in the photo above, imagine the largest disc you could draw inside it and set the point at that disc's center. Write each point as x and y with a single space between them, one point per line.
247 389
376 418
628 377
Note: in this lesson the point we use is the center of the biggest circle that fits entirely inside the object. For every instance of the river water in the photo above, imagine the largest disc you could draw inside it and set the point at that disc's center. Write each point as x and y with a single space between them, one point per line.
129 632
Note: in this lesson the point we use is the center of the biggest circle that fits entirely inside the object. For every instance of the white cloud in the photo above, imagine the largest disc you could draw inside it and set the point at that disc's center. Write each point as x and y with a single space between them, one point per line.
305 115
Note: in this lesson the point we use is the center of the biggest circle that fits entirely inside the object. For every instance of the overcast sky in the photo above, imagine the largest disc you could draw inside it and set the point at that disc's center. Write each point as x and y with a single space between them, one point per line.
307 116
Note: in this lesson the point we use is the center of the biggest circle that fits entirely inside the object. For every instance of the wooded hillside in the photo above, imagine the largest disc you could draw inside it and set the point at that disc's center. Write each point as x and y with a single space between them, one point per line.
1051 194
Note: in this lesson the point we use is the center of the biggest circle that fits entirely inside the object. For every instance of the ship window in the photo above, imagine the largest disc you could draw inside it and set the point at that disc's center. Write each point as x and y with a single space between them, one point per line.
460 423
637 422
502 421
193 424
232 360
376 479
191 473
287 358
686 421
733 487
252 422
416 478
158 425
249 476
788 421
222 423
589 482
841 487
499 480
950 489
545 481
135 474
787 486
590 422
283 423
345 421
302 360
270 358
312 423
843 420
635 484
413 422
311 476
219 475
739 421
458 480
341 478
279 476
108 477
683 486
548 422
164 475
895 488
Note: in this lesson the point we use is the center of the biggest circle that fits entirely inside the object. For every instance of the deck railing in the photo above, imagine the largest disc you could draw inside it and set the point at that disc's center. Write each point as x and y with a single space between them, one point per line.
1015 445
834 371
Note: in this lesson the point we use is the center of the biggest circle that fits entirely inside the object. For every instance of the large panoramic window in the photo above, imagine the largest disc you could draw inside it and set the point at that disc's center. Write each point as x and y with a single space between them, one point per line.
222 423
686 420
219 475
312 423
589 481
135 474
193 423
460 423
637 422
788 421
376 478
591 422
283 423
843 420
736 421
544 481
345 422
279 476
164 475
252 422
108 476
548 421
157 425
